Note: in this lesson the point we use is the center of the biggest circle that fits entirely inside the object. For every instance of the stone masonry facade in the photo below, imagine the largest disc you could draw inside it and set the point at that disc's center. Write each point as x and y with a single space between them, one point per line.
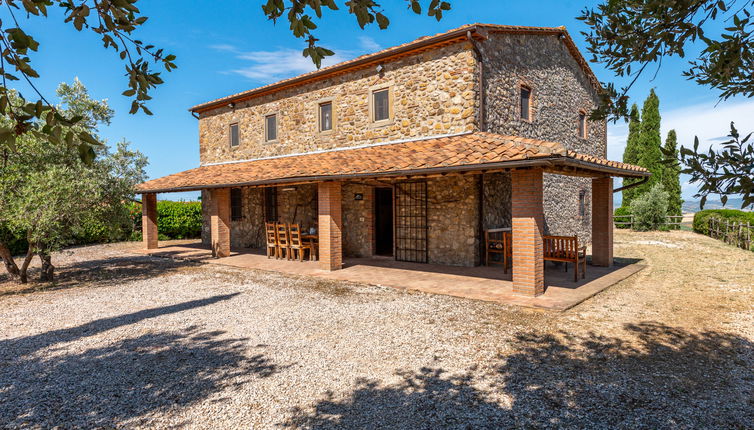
431 93
560 90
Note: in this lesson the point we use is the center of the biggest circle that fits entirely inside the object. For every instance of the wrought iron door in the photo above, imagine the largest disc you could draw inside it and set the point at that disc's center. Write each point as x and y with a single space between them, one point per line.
411 221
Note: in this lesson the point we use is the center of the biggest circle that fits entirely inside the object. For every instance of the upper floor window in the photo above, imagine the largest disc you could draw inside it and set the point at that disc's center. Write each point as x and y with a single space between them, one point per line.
582 125
236 204
325 116
525 103
381 105
271 127
234 138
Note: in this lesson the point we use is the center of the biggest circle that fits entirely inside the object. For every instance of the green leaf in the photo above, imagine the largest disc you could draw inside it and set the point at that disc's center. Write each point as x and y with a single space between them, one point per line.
88 138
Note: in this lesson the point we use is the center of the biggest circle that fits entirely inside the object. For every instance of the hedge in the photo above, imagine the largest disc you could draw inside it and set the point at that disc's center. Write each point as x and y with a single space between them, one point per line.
175 220
701 218
179 220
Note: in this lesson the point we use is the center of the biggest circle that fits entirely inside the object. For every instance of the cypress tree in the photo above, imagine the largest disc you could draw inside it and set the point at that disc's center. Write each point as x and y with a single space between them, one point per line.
671 176
631 153
650 141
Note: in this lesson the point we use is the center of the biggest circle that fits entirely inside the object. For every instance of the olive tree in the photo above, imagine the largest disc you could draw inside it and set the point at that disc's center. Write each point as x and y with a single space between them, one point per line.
50 195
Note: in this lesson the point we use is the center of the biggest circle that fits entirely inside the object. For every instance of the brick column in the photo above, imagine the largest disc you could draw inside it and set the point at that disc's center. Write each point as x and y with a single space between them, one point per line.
219 213
528 227
330 225
602 222
149 220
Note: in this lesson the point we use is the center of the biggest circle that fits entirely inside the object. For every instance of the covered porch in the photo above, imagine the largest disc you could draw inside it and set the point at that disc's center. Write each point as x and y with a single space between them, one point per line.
411 166
487 283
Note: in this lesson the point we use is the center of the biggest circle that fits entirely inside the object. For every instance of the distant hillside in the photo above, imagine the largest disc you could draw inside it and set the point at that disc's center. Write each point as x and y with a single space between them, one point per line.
693 205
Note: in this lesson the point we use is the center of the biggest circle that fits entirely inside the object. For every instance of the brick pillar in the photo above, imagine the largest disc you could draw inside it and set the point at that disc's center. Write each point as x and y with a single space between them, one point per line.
149 220
330 225
602 222
219 213
528 227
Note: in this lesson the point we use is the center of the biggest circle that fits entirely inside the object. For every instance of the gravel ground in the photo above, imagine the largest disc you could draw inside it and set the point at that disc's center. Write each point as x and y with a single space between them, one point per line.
135 341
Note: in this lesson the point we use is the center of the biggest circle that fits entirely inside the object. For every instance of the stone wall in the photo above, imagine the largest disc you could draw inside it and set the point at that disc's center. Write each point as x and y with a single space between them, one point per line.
244 233
358 224
560 89
453 217
432 93
298 205
497 200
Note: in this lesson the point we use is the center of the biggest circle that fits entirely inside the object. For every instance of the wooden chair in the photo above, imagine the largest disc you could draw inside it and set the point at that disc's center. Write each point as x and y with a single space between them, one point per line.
283 240
297 245
498 241
272 240
567 250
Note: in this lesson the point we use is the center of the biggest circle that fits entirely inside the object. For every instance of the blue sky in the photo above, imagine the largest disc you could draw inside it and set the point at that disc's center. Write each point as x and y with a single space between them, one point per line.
224 47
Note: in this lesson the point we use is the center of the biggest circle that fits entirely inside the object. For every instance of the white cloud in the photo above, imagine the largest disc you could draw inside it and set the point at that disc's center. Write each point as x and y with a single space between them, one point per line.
270 66
368 44
711 123
224 47
273 65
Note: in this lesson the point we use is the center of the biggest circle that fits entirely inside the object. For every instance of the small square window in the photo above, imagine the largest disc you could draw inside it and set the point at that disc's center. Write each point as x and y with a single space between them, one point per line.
582 124
234 138
381 108
236 204
325 116
526 103
271 127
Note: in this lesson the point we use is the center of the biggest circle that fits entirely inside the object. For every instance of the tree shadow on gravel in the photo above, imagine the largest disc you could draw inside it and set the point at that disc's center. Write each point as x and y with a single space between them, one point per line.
30 344
96 273
654 377
104 386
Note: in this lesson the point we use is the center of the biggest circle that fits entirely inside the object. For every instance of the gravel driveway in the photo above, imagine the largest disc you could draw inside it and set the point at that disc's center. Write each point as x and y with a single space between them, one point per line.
135 341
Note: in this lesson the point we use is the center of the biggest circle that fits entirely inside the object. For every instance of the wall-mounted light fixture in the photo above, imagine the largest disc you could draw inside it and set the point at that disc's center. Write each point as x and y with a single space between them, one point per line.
231 105
288 189
358 196
380 68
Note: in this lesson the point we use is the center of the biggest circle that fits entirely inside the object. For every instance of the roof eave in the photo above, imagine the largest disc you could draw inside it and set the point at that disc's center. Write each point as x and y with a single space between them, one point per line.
547 161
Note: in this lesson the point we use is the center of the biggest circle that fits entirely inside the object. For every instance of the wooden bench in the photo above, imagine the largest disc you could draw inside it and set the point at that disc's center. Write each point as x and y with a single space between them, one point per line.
567 250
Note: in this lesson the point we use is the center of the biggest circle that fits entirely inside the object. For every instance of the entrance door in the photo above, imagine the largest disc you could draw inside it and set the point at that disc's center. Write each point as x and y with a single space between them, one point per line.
411 221
383 221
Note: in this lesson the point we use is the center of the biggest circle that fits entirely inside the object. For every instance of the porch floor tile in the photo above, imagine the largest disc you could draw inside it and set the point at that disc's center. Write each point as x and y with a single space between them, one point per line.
487 283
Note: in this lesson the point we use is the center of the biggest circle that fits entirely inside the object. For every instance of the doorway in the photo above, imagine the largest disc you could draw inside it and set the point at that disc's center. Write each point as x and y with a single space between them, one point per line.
383 221
411 226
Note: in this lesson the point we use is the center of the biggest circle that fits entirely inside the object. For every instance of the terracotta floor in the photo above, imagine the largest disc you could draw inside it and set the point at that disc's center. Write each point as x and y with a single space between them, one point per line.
480 283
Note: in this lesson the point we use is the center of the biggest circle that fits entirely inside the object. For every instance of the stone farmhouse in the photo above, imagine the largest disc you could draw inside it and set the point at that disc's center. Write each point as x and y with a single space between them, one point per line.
412 152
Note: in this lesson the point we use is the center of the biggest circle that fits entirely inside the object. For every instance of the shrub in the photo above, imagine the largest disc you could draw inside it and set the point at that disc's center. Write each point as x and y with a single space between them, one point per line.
623 210
179 220
701 218
175 220
650 209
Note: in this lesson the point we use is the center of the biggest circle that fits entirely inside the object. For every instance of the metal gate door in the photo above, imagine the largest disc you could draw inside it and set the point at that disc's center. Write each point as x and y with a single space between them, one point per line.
411 221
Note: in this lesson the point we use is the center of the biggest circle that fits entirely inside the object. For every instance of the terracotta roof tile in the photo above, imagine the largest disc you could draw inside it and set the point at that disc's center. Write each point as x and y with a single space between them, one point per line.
461 152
